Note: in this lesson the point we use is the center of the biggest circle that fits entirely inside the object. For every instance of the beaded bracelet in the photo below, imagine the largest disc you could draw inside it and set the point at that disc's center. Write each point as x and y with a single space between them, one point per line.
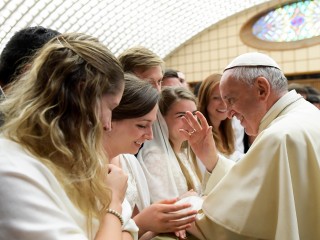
115 213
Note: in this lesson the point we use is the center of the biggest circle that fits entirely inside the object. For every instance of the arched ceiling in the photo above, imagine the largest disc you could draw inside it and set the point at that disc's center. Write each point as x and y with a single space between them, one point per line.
160 25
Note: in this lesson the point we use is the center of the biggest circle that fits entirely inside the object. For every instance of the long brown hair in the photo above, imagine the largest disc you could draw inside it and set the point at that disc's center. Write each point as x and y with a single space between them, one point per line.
226 143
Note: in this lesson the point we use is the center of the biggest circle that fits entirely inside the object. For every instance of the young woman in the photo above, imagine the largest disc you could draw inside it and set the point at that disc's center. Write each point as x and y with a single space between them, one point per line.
131 126
174 171
55 181
211 105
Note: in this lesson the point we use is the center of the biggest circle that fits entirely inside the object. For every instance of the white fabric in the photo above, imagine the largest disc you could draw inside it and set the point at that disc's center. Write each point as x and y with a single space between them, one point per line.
33 203
273 192
239 134
222 167
252 59
189 166
159 163
138 182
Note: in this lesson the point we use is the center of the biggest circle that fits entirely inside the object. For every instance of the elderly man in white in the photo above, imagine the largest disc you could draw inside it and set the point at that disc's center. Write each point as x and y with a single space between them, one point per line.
273 192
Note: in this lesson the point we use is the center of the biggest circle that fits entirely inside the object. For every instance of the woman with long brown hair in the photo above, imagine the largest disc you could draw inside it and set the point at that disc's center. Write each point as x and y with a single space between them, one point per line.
211 105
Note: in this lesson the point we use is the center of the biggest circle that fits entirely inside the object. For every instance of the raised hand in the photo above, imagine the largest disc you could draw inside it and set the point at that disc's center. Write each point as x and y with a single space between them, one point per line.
199 136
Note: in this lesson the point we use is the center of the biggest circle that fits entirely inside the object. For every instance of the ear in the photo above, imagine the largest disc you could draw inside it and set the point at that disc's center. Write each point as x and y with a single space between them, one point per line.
263 87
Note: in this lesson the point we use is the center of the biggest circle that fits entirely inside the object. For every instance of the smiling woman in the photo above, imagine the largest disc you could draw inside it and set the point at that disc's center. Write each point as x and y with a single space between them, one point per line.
215 110
173 173
131 126
132 119
51 146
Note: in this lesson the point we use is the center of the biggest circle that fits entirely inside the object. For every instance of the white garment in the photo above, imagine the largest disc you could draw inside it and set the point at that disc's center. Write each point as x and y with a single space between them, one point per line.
186 162
137 192
273 192
35 206
165 178
161 167
239 134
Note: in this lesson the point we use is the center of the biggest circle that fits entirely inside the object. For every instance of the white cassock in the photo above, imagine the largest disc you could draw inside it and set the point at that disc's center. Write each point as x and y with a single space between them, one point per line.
273 192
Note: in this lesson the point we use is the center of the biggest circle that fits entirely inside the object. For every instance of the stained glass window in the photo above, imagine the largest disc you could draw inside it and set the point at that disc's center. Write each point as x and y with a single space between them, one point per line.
292 22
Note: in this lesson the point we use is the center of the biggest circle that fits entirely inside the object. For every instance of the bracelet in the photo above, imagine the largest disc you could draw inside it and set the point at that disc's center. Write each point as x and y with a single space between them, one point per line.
115 213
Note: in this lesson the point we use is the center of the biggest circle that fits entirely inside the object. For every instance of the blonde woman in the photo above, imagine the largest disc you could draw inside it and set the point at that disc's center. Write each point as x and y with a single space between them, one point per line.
55 182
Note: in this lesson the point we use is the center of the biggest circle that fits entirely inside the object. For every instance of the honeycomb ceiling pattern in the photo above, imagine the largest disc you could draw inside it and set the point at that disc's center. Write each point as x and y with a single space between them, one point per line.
160 25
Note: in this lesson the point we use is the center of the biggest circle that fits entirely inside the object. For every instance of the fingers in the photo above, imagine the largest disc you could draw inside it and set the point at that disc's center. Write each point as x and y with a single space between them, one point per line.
183 215
183 222
195 122
192 121
181 234
168 201
173 208
203 120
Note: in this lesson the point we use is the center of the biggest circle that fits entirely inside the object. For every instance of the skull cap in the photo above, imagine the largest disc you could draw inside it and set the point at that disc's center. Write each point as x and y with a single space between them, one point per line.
252 59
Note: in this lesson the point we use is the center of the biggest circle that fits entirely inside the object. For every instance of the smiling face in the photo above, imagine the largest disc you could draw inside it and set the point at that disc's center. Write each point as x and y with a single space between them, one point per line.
245 102
128 135
217 109
174 121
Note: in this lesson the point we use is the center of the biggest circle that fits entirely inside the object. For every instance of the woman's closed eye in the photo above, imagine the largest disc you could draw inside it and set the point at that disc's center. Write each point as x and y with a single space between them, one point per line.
181 115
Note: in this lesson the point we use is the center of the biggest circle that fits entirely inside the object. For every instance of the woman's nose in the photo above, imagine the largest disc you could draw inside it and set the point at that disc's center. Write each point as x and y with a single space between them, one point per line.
149 134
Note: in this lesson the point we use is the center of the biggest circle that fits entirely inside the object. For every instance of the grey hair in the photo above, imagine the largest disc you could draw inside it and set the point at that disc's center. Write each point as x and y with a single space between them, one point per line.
276 78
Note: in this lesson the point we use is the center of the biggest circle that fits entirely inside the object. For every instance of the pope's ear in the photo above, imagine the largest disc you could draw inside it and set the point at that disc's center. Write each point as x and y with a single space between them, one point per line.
263 87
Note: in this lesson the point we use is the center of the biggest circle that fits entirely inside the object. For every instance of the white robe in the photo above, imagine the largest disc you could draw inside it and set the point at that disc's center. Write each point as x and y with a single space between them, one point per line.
33 204
273 192
161 167
137 192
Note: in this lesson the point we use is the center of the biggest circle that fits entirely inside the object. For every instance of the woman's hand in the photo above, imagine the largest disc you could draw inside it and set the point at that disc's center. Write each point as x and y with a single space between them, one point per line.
110 225
165 216
199 136
117 181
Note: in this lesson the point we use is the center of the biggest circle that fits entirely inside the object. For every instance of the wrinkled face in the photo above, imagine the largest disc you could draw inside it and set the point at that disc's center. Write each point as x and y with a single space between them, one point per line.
216 108
174 116
243 101
108 103
153 75
171 81
127 136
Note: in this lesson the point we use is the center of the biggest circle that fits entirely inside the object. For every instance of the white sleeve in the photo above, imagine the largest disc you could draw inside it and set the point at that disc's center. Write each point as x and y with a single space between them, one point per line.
128 224
34 207
223 166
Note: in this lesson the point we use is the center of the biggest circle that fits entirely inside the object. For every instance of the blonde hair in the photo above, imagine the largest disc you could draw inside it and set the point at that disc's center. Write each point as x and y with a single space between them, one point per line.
226 143
53 111
170 95
139 58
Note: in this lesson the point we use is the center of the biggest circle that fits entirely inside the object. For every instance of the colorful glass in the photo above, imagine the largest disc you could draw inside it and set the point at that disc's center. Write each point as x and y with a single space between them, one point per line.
291 22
